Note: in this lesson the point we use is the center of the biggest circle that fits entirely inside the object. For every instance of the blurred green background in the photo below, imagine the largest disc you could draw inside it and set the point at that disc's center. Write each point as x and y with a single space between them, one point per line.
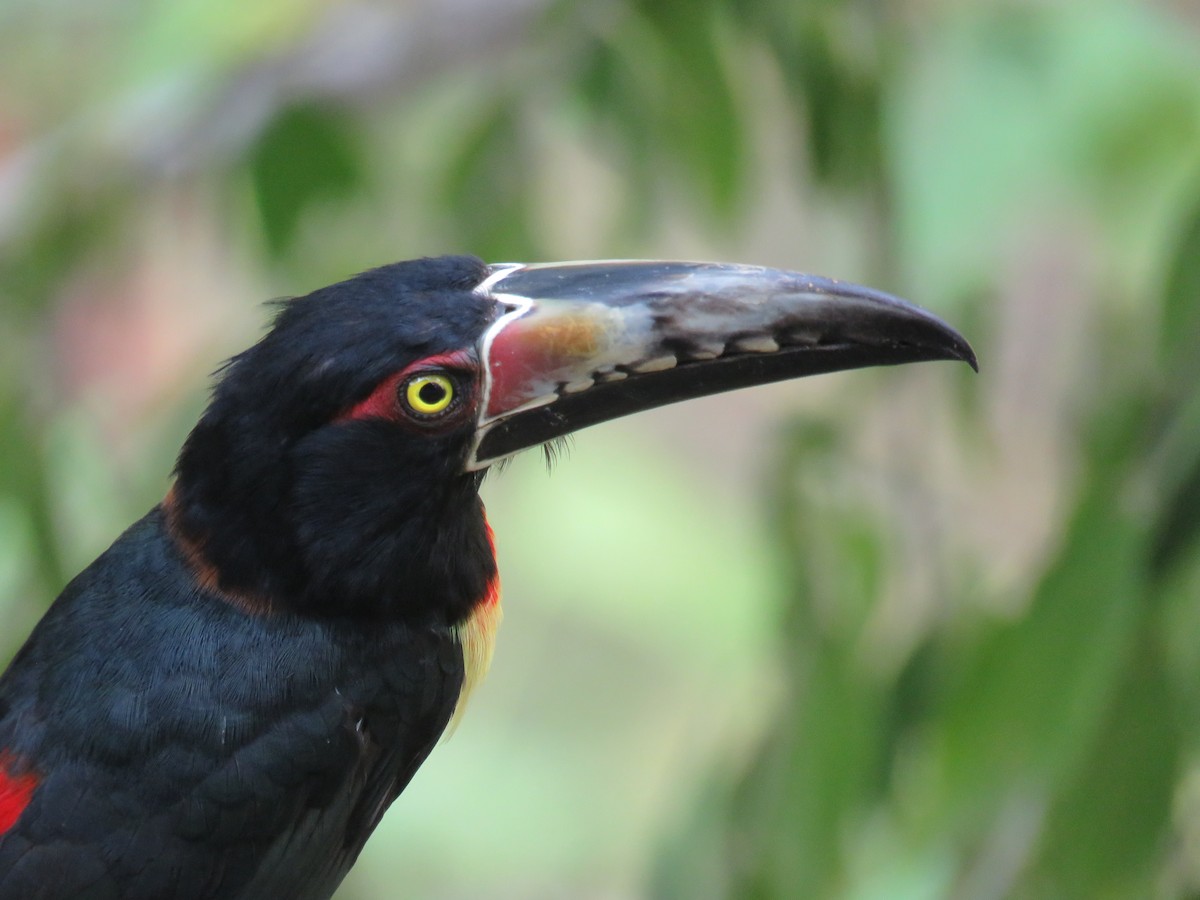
893 634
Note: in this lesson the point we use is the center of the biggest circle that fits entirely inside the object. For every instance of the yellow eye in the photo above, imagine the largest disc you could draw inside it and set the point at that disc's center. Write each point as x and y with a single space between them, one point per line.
429 394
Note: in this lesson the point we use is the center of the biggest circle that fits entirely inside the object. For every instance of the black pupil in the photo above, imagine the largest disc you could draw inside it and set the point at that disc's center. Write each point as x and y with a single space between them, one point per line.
431 393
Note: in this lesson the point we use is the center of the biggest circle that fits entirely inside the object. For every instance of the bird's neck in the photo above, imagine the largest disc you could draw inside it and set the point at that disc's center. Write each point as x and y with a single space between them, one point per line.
255 599
433 569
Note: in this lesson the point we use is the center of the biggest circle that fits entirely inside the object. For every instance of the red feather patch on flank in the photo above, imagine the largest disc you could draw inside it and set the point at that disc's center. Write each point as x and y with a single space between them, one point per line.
15 791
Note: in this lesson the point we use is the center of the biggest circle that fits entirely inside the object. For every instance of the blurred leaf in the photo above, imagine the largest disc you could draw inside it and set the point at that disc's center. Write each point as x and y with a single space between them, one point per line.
1177 527
487 187
1178 523
23 481
699 117
73 230
1104 833
690 864
809 784
616 96
829 56
660 80
821 765
1180 623
1181 294
1025 710
308 155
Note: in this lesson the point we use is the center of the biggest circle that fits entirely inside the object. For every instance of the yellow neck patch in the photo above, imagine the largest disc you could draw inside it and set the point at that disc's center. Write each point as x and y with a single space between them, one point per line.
477 637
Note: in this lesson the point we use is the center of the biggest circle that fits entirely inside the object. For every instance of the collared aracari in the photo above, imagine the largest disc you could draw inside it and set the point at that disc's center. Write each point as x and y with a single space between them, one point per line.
224 704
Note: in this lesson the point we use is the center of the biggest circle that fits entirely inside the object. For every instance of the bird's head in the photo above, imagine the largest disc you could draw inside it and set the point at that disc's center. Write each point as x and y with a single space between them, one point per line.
337 466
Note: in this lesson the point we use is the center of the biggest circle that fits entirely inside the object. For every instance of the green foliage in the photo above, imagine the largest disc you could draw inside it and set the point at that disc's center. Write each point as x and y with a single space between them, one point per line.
660 82
484 187
820 765
24 485
1181 312
305 157
1179 522
1031 693
1034 756
1110 822
832 58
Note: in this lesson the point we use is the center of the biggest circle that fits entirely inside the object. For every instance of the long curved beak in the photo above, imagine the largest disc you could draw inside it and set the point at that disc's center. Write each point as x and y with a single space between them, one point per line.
583 342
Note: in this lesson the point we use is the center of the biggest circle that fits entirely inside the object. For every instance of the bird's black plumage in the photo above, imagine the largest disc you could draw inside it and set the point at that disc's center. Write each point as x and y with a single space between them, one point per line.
226 701
182 744
352 514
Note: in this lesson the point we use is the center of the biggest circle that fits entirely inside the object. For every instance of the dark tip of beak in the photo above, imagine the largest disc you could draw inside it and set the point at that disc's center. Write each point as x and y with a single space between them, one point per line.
962 351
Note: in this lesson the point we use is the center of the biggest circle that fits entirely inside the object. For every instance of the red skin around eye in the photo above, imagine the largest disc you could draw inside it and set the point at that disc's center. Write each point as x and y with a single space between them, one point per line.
381 402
